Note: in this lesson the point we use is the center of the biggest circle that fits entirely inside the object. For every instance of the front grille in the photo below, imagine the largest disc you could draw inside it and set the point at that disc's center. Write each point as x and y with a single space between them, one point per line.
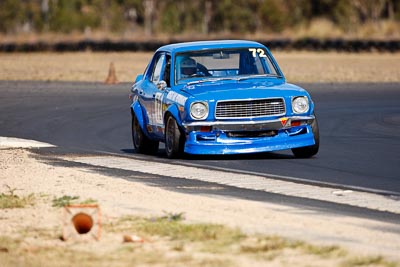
250 108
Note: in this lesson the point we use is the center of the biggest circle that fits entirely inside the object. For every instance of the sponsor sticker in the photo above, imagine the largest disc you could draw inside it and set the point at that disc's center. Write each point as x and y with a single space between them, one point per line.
283 121
178 98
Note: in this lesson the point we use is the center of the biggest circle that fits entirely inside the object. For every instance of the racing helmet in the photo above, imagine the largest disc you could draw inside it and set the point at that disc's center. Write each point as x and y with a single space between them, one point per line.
188 67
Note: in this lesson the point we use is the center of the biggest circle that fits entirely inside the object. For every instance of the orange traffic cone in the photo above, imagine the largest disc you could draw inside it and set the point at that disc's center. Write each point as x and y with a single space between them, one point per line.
112 77
81 223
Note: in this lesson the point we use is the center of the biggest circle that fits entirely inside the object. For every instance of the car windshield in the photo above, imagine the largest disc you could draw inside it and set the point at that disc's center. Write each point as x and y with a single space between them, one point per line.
223 64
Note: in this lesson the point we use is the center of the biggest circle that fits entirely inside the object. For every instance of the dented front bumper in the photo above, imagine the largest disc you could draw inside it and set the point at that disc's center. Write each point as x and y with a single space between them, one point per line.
232 137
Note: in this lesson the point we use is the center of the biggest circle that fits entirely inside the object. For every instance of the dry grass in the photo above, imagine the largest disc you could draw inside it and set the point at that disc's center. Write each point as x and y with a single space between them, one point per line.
174 243
339 67
10 200
297 66
325 29
81 66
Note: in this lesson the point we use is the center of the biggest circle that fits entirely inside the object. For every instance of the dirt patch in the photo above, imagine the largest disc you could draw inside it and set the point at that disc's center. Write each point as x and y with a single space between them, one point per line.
297 66
31 235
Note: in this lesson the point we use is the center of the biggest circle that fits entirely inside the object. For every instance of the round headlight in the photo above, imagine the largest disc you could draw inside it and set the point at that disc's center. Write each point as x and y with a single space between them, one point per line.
199 110
300 104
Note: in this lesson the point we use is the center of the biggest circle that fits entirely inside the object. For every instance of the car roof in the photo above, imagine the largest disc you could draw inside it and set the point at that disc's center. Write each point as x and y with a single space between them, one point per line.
201 45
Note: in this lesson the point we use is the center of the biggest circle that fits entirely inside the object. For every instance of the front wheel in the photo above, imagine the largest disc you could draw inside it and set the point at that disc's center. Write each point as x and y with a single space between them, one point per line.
309 151
141 142
174 139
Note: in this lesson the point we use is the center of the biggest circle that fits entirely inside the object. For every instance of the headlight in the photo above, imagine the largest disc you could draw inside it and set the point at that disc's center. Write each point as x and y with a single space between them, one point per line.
199 110
300 104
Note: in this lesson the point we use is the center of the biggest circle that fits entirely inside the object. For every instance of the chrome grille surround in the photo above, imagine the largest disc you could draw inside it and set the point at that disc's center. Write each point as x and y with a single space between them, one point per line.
231 109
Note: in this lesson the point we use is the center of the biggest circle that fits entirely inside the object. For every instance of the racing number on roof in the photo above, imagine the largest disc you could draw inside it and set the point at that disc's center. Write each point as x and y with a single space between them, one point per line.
259 51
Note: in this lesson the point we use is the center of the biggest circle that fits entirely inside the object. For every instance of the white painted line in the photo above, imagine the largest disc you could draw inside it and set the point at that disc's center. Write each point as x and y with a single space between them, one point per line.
11 142
248 181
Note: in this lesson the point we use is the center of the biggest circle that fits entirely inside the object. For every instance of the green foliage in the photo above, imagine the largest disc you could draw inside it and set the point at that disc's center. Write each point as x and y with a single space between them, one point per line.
10 15
345 15
10 200
70 200
69 15
171 216
274 15
170 19
232 16
176 230
181 16
64 201
300 11
88 201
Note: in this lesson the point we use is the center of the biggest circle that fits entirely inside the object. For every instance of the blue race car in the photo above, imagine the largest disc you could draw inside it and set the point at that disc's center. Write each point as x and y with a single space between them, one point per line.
220 97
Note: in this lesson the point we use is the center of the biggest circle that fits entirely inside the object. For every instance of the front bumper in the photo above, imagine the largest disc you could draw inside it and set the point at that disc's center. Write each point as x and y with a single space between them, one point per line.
238 137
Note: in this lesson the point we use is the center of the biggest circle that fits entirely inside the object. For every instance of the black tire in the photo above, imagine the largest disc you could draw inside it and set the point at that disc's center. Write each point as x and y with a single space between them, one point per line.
174 139
309 151
140 141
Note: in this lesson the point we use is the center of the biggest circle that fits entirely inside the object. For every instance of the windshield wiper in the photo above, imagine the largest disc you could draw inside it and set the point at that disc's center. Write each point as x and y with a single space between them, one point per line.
258 76
233 78
212 80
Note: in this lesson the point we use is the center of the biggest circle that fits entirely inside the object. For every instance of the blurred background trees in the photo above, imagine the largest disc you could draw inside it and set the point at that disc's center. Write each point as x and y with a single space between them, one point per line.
316 18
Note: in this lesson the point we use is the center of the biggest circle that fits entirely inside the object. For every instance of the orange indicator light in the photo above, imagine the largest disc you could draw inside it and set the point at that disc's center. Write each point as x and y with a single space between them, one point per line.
296 123
205 129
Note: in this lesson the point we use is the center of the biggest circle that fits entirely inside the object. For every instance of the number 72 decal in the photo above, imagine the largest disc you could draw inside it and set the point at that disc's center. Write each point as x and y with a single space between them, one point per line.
259 51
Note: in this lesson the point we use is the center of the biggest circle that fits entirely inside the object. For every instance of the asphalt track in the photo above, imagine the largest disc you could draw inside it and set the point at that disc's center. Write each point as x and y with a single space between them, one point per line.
359 127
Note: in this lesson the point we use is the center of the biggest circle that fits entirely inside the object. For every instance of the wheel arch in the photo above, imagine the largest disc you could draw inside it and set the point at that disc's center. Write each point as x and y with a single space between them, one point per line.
173 111
136 110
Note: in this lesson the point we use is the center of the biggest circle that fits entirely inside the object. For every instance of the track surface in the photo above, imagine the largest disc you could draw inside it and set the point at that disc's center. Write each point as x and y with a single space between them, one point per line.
359 127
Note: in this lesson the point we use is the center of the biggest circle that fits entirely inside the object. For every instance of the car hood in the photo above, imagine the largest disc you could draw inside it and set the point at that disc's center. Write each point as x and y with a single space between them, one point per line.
224 90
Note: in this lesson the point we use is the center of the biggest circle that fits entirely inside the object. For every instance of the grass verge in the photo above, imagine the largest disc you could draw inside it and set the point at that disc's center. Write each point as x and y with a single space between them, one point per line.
70 200
10 200
168 241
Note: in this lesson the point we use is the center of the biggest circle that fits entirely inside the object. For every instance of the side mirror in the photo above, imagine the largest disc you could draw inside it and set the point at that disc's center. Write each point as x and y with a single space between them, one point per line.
161 85
139 78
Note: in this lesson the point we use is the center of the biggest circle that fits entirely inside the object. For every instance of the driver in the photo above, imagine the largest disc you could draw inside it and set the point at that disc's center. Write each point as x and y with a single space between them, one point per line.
188 67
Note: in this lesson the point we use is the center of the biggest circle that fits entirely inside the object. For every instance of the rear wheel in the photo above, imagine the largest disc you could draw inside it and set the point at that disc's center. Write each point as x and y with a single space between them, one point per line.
174 139
141 142
309 151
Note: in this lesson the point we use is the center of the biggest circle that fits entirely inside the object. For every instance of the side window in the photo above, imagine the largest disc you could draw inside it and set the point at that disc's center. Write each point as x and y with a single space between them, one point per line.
167 71
271 68
156 75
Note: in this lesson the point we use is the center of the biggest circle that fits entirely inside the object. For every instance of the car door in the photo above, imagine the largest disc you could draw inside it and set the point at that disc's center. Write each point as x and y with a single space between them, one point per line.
149 89
152 95
163 87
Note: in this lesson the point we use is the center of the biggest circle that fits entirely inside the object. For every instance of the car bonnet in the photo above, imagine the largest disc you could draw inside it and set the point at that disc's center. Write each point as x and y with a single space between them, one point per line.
220 90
